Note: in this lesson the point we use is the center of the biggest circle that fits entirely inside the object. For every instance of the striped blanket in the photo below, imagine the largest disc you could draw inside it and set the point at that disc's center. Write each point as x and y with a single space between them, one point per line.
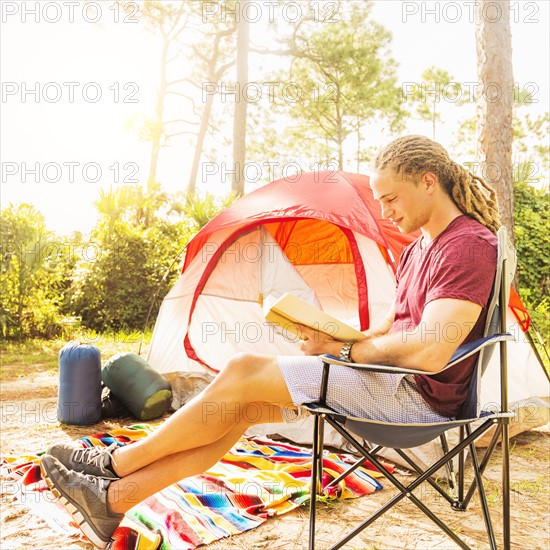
257 479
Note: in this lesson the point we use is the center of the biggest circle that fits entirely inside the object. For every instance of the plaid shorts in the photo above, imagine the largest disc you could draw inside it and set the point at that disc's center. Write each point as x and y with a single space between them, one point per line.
378 396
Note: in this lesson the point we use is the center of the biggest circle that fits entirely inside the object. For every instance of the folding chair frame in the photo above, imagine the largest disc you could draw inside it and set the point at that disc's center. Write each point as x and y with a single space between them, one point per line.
467 439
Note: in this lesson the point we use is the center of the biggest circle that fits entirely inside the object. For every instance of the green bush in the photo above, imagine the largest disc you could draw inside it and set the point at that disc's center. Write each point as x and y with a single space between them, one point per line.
532 224
31 275
114 292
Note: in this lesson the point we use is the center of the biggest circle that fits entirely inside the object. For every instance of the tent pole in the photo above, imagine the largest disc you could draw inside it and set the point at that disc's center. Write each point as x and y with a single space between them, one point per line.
536 351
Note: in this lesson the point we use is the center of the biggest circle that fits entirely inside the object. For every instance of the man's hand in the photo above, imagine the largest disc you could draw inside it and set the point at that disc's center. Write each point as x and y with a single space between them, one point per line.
314 342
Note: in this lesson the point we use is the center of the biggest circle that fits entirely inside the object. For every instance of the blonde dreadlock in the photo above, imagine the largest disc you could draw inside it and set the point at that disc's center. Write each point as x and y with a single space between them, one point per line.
414 155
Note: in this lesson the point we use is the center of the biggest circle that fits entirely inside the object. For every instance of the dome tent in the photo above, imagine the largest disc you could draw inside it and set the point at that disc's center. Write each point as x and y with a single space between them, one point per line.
320 236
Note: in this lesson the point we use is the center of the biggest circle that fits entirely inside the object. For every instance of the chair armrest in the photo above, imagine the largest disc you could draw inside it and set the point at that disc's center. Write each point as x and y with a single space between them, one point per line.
464 351
470 348
331 360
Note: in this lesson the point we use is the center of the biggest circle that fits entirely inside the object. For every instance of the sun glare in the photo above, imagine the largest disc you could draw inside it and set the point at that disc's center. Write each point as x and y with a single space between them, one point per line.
74 95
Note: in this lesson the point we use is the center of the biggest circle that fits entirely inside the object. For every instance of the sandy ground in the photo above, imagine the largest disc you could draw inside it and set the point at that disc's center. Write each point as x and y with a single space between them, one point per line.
29 423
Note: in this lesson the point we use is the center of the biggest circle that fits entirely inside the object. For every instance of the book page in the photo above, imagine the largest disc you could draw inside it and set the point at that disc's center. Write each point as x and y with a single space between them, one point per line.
288 310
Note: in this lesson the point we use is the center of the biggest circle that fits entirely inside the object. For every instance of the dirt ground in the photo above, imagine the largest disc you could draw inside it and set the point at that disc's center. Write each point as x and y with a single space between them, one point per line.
28 406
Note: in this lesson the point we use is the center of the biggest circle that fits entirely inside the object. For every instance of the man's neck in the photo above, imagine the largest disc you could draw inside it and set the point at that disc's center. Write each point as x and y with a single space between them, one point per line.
438 222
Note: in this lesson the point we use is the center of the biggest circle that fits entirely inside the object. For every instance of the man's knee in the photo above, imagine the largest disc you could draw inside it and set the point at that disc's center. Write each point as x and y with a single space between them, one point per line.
250 377
249 374
246 364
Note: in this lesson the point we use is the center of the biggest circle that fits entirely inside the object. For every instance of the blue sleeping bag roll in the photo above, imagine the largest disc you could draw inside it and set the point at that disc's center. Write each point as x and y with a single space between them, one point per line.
79 395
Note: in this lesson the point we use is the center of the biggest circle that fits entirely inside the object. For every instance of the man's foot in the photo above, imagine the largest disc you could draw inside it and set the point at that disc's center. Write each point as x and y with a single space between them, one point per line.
84 497
95 461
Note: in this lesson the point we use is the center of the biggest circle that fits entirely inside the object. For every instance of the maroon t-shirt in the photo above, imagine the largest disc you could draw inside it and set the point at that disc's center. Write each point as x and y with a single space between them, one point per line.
459 263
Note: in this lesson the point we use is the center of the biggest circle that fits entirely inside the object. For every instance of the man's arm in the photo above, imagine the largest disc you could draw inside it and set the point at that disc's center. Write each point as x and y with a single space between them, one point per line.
429 346
383 327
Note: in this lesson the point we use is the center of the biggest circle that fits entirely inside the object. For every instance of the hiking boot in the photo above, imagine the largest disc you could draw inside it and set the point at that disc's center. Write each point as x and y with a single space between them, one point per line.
84 497
95 461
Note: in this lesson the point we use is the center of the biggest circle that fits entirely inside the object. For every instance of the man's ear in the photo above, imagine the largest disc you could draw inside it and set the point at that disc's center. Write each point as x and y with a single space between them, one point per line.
429 180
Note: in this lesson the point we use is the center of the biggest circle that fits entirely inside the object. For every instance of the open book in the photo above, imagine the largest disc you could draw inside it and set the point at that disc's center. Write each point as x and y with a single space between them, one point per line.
286 311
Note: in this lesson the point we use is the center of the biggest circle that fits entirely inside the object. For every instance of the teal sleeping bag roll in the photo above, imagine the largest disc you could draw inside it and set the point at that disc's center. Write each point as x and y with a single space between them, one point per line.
140 387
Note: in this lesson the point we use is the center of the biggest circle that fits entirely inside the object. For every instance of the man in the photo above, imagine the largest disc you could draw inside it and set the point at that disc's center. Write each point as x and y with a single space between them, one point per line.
443 284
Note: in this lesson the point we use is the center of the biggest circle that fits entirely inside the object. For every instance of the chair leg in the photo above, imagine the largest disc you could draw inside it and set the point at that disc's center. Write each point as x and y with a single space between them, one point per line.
482 496
483 465
346 473
450 499
505 485
351 469
461 471
320 447
316 471
451 478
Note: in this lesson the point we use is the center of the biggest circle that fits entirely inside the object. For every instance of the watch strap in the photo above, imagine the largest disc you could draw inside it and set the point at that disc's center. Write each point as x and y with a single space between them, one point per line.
345 352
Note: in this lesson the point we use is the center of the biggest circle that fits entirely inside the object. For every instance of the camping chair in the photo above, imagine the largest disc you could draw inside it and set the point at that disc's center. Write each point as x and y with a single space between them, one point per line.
402 436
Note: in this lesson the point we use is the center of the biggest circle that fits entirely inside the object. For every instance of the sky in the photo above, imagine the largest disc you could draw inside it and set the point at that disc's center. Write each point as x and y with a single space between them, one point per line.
75 76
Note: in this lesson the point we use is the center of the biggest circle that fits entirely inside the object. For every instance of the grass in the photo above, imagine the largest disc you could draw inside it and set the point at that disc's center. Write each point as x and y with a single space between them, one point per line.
18 359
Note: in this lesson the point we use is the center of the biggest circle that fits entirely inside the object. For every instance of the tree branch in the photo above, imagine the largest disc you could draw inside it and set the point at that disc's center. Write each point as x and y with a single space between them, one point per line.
223 68
172 92
169 136
173 121
292 51
176 18
179 81
183 27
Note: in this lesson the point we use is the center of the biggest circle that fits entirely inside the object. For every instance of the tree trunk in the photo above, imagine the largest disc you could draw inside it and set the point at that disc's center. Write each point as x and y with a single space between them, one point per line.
339 131
214 73
239 121
205 120
495 102
159 112
358 149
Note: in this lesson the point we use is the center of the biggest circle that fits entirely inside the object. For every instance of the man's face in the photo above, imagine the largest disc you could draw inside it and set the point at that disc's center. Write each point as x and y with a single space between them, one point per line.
403 199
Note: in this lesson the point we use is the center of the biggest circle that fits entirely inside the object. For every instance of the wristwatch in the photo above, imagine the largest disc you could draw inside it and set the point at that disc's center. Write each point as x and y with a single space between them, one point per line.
345 352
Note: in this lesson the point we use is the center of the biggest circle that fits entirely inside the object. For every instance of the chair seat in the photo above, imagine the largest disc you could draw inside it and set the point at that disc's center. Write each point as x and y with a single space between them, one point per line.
397 435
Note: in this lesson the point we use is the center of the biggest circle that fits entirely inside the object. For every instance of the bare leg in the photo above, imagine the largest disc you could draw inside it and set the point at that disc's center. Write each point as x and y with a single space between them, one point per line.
248 382
132 489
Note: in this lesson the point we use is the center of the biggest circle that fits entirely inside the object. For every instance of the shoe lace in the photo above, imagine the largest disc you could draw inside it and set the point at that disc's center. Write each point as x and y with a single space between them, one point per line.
94 456
101 482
